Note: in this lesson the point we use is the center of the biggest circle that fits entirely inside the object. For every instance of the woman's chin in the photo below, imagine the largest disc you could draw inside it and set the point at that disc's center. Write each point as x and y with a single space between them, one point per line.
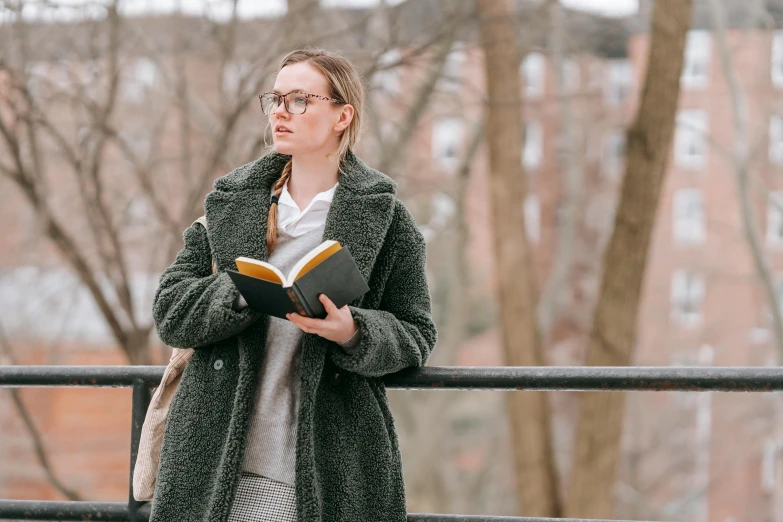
284 148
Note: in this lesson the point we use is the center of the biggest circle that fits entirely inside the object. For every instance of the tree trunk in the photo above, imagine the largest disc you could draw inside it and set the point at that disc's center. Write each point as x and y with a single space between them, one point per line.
529 415
597 443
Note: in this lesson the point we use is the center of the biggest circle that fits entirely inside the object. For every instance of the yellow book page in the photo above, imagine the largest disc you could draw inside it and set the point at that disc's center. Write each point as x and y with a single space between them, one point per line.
318 259
259 271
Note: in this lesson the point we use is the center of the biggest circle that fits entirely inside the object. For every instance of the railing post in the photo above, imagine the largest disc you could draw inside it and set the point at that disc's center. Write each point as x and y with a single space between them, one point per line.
141 400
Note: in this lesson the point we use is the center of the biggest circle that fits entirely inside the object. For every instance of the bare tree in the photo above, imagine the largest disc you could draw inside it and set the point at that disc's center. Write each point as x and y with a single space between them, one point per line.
597 450
188 140
528 413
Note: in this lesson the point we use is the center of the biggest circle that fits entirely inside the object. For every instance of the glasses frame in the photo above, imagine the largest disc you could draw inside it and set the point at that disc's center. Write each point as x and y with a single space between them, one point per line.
284 97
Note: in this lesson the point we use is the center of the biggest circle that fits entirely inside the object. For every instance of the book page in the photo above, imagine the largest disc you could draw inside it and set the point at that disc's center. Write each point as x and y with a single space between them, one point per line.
312 259
259 269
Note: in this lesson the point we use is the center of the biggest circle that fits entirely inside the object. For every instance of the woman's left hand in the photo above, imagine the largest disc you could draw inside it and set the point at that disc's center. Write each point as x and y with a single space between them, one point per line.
337 326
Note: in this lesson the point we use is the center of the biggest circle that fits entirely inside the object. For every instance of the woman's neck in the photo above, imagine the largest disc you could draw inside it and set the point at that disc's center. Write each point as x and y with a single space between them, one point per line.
310 175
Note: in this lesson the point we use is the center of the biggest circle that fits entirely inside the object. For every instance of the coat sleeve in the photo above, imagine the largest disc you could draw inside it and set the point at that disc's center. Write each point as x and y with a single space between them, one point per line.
401 333
192 307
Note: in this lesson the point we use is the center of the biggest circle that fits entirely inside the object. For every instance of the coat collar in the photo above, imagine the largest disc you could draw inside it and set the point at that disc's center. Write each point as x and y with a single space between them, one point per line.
359 217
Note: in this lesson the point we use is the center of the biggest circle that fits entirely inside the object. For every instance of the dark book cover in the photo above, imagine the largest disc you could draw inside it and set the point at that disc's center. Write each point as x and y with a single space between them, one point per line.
337 276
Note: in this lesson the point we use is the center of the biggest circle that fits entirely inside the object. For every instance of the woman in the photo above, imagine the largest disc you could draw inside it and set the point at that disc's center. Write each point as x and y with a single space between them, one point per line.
281 420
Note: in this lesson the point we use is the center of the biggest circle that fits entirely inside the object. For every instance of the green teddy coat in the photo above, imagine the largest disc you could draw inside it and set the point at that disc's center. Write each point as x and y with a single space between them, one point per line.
348 465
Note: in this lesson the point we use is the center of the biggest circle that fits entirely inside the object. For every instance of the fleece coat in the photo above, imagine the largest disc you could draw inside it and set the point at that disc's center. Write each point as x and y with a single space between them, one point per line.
348 465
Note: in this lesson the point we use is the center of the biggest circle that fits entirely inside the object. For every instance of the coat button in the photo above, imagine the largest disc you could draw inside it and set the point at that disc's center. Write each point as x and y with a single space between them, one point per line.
219 364
334 378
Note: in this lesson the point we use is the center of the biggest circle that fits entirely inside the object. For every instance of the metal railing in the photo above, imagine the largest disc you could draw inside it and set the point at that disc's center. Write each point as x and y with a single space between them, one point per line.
143 378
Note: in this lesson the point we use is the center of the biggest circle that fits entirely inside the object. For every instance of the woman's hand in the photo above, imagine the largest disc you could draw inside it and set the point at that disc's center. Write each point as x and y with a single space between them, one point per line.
337 326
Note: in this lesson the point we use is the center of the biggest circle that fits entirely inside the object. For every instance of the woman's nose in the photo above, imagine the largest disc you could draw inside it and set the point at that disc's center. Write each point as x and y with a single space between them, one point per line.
280 110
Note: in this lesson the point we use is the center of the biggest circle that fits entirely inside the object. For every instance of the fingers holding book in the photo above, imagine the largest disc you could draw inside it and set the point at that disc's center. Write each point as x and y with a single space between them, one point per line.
337 326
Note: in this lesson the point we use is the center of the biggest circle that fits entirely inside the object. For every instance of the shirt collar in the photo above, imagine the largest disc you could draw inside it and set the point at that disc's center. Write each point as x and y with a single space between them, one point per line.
327 196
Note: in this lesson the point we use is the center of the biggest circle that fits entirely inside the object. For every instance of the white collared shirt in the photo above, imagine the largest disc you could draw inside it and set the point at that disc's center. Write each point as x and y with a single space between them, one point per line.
296 222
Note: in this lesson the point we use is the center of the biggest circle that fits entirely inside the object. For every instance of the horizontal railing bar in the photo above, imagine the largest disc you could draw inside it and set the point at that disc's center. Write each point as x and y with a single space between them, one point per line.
99 511
545 378
67 510
420 517
592 378
104 376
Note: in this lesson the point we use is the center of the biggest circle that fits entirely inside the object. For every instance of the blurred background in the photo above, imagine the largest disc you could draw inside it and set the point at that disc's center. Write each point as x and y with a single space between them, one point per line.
117 116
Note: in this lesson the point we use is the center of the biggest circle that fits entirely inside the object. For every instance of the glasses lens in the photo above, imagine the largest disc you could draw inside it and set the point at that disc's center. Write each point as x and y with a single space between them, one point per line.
297 102
269 103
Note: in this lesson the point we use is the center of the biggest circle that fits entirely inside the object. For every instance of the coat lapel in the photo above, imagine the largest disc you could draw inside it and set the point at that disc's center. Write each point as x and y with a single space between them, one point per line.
359 217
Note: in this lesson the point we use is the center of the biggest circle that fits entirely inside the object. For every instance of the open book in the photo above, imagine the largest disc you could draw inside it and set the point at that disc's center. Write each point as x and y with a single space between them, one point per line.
326 269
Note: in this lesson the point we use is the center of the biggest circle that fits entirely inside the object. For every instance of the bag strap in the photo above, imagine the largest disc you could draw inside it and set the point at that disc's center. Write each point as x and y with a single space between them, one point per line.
203 221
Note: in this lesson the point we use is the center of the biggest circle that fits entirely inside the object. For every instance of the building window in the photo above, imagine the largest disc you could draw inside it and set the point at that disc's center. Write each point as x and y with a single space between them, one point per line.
696 68
91 78
241 77
138 142
769 464
533 218
768 308
534 74
613 153
779 295
390 131
139 211
238 77
387 134
451 75
387 77
777 59
691 139
37 76
775 219
595 74
776 139
619 82
533 151
142 77
687 297
442 210
689 219
49 77
447 135
571 76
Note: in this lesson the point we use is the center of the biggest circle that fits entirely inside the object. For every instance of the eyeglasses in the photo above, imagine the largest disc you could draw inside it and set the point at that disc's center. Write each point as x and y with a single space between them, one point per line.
295 101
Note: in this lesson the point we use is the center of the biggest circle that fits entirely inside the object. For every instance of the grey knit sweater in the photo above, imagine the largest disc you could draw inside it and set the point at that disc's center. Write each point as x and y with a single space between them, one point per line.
271 438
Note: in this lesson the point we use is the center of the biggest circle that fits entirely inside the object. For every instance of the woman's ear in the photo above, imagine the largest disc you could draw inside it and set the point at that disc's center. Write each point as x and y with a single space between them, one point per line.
346 116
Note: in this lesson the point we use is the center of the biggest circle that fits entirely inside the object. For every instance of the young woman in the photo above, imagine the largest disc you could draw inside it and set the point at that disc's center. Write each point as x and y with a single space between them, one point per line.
288 420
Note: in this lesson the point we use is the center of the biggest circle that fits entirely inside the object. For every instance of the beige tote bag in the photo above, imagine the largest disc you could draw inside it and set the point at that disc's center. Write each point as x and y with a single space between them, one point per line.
147 459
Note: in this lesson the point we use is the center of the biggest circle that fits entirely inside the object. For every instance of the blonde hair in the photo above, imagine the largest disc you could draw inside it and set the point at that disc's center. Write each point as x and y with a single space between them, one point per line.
345 84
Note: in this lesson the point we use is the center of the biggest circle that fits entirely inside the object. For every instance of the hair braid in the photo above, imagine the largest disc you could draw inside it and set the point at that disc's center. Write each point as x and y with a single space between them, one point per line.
271 228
